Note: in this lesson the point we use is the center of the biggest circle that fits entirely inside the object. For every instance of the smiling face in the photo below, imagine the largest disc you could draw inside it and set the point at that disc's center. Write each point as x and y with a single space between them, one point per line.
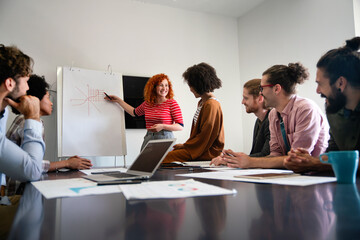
46 105
334 99
162 89
267 92
20 88
250 102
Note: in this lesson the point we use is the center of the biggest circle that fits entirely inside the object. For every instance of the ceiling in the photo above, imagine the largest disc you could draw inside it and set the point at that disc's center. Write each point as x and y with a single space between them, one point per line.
229 8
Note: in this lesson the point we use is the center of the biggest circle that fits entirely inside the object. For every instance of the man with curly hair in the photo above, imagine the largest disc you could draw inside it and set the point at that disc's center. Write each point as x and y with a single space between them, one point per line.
22 163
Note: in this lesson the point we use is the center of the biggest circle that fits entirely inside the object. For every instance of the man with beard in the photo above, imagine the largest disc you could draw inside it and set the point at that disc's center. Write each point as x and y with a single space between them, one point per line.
22 163
294 121
338 79
254 103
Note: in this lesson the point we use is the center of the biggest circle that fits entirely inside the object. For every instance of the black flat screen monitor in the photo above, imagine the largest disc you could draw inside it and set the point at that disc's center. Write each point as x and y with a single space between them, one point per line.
134 95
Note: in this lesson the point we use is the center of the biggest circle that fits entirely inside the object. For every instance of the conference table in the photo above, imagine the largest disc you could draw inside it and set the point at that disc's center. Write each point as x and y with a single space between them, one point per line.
256 211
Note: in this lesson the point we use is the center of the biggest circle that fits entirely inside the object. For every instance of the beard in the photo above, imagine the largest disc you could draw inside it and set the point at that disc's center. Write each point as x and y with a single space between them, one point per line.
251 109
334 104
13 94
15 99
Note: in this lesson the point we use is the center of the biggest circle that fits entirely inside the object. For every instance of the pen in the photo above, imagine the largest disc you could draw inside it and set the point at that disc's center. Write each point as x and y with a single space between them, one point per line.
105 172
229 154
118 182
108 96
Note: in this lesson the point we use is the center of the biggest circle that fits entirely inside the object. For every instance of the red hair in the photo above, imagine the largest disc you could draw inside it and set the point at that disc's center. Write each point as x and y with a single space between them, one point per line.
150 88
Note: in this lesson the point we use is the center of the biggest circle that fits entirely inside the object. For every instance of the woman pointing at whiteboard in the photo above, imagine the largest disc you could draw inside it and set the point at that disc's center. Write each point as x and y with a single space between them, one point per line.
162 112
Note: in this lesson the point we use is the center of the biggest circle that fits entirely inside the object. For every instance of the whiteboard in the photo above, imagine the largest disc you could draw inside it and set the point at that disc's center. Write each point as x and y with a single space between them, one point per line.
89 125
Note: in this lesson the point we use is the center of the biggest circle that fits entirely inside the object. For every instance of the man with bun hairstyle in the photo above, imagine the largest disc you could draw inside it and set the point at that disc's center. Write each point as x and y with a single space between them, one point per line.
294 121
338 81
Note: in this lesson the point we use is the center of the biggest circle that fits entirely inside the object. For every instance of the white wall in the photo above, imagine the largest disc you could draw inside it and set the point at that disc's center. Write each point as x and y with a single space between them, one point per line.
283 31
136 39
357 17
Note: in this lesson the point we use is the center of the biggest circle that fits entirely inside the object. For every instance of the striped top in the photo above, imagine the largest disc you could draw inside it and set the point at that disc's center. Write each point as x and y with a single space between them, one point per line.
200 105
167 112
15 133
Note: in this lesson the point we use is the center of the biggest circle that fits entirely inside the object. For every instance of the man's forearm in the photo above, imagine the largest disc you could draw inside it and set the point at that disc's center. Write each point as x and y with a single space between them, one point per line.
316 165
267 162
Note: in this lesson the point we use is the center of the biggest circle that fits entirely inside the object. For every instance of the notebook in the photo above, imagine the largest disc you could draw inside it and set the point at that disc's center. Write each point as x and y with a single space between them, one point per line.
144 166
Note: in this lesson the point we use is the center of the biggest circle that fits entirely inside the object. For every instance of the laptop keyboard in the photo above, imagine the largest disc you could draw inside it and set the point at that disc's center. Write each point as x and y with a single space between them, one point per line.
120 175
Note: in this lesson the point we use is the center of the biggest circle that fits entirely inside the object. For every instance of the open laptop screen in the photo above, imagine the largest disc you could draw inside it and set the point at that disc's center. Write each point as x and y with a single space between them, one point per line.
149 158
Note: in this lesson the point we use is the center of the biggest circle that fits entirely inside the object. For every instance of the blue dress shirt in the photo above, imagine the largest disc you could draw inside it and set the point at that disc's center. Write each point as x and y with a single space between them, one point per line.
22 163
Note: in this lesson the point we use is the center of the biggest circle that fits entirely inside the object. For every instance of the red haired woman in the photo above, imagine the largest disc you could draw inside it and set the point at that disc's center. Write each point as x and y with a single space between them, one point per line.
162 112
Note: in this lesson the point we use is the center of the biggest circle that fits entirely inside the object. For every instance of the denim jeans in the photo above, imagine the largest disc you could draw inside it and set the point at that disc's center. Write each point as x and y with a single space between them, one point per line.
163 134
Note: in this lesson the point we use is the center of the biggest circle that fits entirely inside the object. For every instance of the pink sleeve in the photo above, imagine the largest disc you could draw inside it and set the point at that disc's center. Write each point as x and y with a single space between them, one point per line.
307 130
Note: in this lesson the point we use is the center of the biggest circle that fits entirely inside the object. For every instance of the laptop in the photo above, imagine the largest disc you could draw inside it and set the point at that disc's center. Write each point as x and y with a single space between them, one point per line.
144 166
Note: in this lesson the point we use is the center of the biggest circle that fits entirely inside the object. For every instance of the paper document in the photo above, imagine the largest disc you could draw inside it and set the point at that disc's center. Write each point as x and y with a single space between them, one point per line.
198 163
72 188
195 164
233 176
101 170
172 189
206 165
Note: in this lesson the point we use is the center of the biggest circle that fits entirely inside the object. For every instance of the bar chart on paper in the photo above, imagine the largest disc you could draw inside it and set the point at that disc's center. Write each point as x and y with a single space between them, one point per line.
89 125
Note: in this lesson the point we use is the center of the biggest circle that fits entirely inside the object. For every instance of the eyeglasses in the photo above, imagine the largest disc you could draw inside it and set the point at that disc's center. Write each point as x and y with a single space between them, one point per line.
261 87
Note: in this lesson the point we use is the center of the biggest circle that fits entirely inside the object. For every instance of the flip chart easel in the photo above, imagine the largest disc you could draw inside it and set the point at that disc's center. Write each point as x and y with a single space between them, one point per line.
89 125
